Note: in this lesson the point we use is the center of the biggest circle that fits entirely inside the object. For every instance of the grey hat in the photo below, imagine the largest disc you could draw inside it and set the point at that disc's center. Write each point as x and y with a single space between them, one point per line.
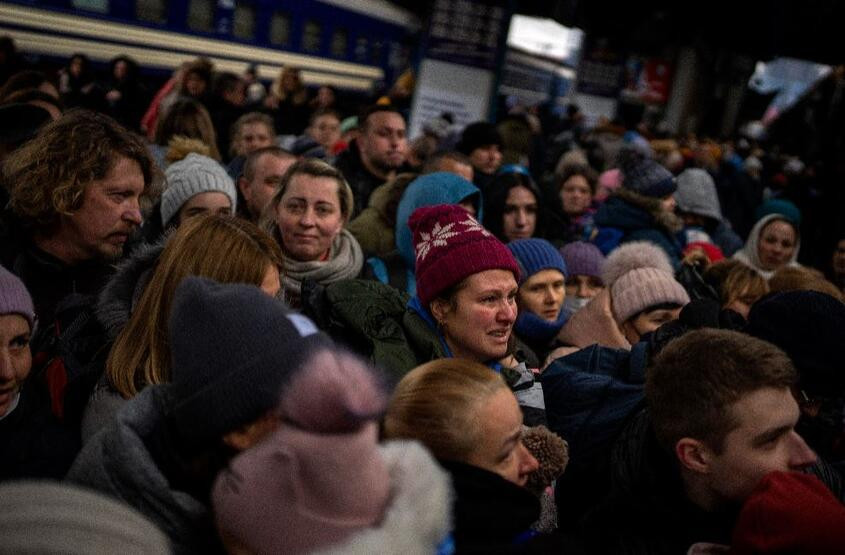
52 517
696 194
191 176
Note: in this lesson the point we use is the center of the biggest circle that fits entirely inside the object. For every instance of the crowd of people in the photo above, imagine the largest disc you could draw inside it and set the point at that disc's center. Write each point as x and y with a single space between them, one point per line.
247 320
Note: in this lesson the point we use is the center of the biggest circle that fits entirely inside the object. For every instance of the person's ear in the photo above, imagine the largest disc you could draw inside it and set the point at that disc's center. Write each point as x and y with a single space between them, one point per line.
438 309
693 455
243 185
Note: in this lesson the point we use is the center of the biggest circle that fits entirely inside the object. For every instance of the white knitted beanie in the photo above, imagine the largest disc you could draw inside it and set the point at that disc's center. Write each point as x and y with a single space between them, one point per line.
191 176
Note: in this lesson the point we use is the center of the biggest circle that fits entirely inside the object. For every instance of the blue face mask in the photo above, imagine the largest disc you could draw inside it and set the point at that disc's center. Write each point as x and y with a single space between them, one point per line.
572 304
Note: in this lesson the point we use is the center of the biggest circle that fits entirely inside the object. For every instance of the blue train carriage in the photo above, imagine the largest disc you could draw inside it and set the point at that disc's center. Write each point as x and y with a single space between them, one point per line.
353 45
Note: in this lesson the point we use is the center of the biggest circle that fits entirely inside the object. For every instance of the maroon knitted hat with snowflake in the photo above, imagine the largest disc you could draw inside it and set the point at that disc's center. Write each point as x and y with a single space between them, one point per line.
451 245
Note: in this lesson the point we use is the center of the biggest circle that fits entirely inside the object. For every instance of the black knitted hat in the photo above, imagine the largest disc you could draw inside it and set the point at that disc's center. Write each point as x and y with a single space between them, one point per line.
810 327
234 348
479 134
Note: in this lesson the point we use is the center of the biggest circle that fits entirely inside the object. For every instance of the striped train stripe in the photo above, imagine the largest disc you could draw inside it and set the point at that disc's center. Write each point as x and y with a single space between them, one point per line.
45 32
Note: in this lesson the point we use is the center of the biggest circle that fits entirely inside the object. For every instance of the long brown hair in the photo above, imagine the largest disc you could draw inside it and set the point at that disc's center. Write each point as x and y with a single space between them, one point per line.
219 247
187 118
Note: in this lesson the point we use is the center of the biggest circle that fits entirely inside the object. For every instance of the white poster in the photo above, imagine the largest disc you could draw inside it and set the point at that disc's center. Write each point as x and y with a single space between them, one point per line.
445 87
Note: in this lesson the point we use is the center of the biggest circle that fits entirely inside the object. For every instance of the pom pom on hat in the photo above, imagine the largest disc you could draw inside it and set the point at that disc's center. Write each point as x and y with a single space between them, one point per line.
451 245
633 255
320 477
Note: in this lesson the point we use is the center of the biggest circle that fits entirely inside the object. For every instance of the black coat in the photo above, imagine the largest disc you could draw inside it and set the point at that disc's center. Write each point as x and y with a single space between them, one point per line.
493 515
33 443
362 182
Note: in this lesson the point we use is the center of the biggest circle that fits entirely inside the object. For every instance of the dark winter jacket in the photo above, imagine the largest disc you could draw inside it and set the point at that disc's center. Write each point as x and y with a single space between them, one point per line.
591 393
363 182
493 515
726 239
33 442
67 346
636 224
48 279
589 396
118 462
647 511
113 310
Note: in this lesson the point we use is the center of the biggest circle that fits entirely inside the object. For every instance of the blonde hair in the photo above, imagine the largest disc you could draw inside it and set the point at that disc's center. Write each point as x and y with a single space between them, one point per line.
312 168
733 280
219 247
437 403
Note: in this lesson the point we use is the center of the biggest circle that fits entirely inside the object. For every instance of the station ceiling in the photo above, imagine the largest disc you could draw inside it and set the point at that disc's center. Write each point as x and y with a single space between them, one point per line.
762 29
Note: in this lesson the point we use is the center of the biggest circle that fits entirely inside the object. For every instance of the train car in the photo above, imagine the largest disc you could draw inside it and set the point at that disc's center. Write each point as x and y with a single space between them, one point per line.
353 45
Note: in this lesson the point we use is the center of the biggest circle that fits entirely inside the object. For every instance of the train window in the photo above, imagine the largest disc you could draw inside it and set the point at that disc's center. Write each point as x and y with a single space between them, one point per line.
99 6
154 11
280 29
361 49
376 52
340 38
311 36
201 15
244 27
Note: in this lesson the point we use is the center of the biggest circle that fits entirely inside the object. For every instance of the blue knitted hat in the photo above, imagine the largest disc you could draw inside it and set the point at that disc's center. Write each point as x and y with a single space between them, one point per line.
534 255
645 176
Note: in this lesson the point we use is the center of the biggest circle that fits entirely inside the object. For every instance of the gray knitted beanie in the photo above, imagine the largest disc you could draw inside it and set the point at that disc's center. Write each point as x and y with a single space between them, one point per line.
191 176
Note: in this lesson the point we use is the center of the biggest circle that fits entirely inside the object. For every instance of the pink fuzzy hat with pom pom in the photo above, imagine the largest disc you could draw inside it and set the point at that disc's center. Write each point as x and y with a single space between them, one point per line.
320 477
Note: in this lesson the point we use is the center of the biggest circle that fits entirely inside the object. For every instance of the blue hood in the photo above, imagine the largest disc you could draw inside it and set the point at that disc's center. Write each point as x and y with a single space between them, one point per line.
429 190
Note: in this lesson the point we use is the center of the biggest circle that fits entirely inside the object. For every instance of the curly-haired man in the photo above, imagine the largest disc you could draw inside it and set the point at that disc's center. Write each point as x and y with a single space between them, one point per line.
75 193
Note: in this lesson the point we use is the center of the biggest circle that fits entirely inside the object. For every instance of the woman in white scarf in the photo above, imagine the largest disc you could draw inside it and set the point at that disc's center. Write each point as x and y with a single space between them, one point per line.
307 216
772 244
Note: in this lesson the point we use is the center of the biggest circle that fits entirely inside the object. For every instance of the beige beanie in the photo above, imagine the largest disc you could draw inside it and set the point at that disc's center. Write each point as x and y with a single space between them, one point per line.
642 288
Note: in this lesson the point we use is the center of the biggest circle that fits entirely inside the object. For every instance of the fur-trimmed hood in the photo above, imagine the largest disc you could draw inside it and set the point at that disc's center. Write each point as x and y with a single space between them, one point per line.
120 295
419 516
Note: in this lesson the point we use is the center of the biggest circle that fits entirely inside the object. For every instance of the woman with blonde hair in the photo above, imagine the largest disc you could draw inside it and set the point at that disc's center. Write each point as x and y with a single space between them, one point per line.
307 216
738 285
469 419
135 306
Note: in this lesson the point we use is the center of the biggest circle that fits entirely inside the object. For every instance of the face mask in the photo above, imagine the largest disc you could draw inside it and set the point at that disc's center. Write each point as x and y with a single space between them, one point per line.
573 304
